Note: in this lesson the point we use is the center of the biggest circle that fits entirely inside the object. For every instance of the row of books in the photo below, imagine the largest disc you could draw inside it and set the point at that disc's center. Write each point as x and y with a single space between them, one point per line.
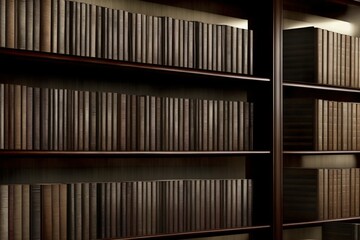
75 28
320 194
321 125
321 56
341 231
123 209
33 118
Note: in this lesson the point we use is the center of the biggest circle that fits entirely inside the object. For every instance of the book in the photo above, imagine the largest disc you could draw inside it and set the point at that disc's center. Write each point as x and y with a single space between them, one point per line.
3 23
4 211
304 194
45 25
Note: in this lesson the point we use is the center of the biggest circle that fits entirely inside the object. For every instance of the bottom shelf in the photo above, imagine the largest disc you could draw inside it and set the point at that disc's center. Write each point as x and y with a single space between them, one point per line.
128 209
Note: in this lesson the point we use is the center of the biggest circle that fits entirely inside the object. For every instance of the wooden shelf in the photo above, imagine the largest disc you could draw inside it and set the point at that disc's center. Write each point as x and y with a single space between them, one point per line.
319 87
320 152
20 153
312 90
206 233
318 222
7 54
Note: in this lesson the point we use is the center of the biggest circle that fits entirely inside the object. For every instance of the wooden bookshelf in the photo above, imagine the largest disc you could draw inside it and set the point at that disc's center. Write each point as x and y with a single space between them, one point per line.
249 85
321 78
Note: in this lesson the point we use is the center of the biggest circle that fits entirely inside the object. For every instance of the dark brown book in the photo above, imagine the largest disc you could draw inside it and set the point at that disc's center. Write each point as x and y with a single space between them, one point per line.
123 122
304 194
35 211
61 27
132 123
20 15
85 211
176 42
159 123
46 212
92 34
3 23
12 113
54 17
110 33
17 212
75 120
23 117
82 28
125 211
71 210
99 32
63 211
152 123
305 55
141 113
109 122
118 209
80 119
102 118
226 125
181 125
176 123
36 25
67 119
68 21
61 119
78 224
45 25
55 208
205 125
44 118
93 211
299 128
357 126
77 29
340 230
115 118
113 212
93 121
25 214
18 117
165 123
116 34
55 113
221 125
10 24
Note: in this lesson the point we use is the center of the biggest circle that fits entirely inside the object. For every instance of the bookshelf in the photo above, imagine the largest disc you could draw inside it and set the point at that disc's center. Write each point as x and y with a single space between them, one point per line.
102 109
330 77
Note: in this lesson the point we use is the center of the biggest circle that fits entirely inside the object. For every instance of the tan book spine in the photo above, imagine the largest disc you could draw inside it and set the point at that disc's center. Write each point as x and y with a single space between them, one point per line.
4 212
